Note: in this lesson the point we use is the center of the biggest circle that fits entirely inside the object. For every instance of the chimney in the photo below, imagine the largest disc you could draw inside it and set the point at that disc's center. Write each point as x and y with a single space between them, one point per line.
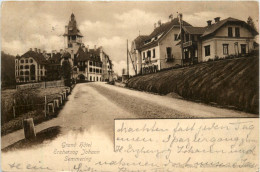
95 47
35 50
88 48
61 51
84 48
30 49
154 25
217 19
39 50
159 23
209 22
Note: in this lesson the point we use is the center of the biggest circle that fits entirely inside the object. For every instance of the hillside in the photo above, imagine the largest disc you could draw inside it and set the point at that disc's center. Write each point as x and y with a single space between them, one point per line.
229 83
7 70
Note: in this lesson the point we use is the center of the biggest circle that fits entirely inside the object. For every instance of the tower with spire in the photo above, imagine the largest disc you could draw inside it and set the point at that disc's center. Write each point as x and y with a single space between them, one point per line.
72 37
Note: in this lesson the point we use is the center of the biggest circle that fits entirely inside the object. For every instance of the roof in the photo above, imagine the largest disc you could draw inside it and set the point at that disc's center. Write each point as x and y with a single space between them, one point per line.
38 57
194 30
72 27
92 55
214 27
160 31
139 41
56 58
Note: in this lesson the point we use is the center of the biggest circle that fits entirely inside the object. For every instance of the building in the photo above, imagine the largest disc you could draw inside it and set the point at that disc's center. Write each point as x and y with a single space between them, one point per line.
91 64
158 50
31 66
162 48
88 64
220 39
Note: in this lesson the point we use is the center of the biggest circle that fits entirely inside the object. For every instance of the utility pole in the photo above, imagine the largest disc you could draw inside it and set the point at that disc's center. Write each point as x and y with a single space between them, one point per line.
182 52
127 70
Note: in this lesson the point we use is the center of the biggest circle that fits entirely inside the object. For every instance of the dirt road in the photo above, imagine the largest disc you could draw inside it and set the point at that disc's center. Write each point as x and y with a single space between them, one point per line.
96 105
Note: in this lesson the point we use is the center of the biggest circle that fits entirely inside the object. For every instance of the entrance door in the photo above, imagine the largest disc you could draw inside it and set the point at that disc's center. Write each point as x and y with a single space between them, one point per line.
243 48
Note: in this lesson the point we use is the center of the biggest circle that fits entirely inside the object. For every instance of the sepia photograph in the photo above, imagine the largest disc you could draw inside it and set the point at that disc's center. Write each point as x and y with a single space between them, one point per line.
130 86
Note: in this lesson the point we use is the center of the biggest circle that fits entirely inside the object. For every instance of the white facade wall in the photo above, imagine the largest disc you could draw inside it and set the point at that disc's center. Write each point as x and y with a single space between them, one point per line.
221 37
40 70
169 41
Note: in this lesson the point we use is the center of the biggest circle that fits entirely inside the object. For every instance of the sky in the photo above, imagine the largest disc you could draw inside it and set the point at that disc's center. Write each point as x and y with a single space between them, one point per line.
26 25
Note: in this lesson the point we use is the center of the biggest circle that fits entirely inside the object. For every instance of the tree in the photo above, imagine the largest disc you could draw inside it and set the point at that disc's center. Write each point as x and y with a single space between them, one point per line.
66 72
7 70
250 22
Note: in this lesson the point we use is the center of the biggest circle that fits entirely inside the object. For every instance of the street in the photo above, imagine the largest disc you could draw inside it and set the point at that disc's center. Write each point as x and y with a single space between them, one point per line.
94 106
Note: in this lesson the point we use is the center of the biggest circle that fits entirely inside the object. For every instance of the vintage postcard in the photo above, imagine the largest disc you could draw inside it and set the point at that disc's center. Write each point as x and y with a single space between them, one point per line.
130 86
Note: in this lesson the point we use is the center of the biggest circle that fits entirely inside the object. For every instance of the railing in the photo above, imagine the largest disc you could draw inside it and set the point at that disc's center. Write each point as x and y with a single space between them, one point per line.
188 43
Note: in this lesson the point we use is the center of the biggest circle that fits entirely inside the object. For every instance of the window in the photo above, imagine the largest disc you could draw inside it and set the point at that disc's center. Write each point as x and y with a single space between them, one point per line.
21 72
169 52
237 32
26 72
207 50
31 60
94 70
153 53
176 37
225 49
22 61
26 61
90 69
90 78
149 53
90 63
73 37
26 67
230 33
69 45
97 70
243 48
97 78
143 55
21 67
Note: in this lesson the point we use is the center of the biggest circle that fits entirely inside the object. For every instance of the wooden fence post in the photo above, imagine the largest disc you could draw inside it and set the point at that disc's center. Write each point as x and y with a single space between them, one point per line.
29 130
45 106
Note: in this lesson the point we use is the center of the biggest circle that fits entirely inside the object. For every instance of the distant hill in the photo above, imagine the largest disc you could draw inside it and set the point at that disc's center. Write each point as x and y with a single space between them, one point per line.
230 83
7 70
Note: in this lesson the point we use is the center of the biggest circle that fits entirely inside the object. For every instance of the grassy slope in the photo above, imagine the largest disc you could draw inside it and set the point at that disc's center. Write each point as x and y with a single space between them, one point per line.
9 123
230 83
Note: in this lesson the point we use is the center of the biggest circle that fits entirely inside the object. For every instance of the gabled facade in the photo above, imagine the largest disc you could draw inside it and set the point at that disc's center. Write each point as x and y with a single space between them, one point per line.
218 40
158 50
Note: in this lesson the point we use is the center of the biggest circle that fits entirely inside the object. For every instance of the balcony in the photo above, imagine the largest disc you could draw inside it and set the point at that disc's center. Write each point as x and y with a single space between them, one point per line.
189 43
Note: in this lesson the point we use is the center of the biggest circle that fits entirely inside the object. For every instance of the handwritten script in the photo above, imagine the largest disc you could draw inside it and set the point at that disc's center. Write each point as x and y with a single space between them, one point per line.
156 145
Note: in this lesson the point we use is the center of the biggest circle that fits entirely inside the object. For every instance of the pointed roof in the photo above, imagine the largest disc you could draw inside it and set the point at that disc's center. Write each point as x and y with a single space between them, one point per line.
161 31
72 27
214 27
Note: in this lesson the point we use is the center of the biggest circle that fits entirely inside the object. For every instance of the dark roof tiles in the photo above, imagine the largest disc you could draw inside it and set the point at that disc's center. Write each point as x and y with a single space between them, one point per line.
38 57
